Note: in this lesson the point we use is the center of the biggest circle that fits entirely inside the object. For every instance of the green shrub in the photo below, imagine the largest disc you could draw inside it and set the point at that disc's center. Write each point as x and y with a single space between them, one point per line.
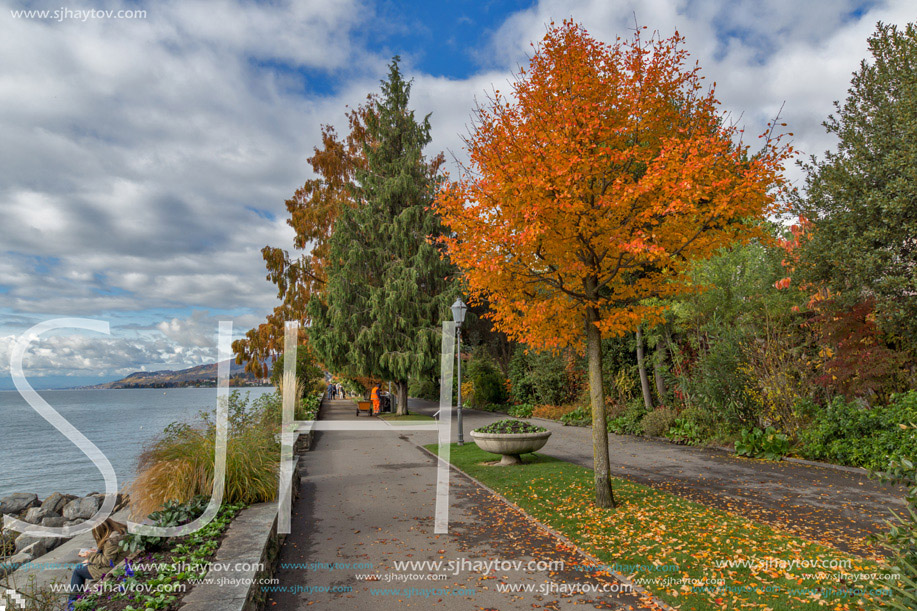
522 410
308 407
538 378
308 374
849 434
768 444
268 408
173 513
423 389
658 421
498 408
581 416
487 381
722 382
630 422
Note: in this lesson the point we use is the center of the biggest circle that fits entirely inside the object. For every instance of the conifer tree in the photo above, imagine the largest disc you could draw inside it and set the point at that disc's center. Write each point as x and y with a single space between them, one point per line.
388 287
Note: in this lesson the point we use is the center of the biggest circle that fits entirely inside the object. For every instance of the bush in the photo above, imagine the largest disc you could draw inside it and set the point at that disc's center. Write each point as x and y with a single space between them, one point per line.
658 421
307 409
178 465
630 422
849 434
722 382
499 408
523 410
768 444
173 513
487 382
423 389
539 378
308 374
269 407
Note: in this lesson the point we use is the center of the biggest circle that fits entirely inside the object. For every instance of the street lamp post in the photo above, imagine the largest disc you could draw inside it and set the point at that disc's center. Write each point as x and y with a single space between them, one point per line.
458 315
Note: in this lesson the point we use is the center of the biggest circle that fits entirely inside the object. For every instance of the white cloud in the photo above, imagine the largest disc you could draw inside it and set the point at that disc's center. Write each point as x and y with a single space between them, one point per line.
169 344
137 153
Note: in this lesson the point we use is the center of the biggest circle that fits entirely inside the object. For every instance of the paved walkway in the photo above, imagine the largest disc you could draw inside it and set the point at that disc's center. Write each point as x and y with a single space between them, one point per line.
839 508
367 502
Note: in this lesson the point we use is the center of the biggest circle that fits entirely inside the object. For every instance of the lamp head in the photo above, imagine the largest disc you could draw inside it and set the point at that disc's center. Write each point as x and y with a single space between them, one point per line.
458 311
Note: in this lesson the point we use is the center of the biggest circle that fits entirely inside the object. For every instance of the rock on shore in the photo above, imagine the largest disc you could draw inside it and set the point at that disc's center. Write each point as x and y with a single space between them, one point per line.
57 510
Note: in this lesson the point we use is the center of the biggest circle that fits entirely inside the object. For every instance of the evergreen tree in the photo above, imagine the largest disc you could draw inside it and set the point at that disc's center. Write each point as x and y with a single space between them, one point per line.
861 201
388 286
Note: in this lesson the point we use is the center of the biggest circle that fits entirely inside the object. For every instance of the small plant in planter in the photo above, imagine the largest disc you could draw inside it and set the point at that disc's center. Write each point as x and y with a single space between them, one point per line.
511 438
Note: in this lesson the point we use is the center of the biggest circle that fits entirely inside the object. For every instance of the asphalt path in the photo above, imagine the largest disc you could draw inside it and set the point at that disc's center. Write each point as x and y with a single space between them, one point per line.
366 505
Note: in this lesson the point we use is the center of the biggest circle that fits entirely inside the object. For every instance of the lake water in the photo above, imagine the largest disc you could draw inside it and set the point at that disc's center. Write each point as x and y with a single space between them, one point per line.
35 457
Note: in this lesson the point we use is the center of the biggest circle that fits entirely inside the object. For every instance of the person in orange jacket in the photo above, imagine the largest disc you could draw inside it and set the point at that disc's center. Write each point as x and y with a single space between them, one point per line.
374 395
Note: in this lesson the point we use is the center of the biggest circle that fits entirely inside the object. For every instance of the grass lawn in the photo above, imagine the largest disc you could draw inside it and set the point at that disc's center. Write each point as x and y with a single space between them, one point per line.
680 549
407 418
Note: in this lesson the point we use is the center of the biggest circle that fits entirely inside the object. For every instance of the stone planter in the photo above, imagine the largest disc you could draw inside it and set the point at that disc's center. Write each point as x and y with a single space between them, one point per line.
510 445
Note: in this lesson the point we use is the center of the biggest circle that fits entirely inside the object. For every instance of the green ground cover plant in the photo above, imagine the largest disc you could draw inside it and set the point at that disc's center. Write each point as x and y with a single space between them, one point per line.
849 433
767 444
521 410
168 563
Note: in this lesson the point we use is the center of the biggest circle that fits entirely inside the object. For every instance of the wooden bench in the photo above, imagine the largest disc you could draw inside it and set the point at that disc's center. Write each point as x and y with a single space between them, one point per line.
365 406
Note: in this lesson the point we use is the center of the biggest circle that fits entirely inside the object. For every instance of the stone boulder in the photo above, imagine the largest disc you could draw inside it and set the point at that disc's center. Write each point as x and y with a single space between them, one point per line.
17 502
34 515
54 504
81 509
53 521
36 546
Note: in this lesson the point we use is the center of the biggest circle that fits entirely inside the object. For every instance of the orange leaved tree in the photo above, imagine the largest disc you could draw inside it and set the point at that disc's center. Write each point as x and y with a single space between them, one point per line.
591 187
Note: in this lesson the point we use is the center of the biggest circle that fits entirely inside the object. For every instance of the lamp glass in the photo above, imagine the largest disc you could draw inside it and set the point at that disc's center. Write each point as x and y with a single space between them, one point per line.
458 311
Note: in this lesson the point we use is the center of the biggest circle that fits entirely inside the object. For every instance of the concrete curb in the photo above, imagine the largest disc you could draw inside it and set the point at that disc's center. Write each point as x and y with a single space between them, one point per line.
563 538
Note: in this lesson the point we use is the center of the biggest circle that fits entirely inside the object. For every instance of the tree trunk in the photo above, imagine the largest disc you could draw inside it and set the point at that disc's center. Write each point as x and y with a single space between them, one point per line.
644 379
659 371
401 393
604 496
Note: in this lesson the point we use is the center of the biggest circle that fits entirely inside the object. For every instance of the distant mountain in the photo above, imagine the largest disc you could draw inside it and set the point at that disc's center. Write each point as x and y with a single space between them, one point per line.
202 375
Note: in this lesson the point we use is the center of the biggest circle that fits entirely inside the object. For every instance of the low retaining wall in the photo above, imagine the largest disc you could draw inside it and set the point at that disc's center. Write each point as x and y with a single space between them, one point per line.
249 550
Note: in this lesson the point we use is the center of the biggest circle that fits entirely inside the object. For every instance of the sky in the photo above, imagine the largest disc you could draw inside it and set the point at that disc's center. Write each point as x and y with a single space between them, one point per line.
146 154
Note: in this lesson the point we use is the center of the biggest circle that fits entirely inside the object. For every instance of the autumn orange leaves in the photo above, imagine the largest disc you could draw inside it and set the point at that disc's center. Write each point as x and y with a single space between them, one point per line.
610 169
